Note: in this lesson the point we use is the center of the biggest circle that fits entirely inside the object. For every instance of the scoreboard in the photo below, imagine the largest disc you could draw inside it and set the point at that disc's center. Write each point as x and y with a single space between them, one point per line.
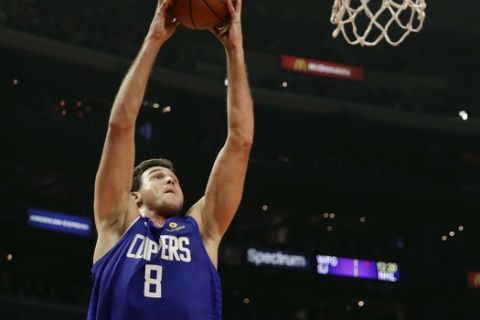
356 268
324 265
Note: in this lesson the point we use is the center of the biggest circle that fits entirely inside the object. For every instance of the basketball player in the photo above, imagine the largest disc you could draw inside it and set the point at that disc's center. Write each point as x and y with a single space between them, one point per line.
150 262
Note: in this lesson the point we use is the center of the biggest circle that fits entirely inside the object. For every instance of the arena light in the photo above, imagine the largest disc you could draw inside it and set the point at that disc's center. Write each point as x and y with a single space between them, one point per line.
363 219
146 130
284 84
464 115
461 228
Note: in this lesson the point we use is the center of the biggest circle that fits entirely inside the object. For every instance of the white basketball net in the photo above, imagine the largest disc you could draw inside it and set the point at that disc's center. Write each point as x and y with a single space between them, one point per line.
345 13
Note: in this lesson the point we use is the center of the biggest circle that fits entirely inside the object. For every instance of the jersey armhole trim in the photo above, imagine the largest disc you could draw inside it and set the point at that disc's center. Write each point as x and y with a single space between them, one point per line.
99 261
195 224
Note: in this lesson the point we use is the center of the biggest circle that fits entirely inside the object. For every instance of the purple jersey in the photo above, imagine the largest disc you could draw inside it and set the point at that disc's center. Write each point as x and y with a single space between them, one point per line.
156 273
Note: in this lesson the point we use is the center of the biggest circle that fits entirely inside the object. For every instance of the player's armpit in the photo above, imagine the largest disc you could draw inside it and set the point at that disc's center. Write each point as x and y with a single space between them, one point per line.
196 212
210 242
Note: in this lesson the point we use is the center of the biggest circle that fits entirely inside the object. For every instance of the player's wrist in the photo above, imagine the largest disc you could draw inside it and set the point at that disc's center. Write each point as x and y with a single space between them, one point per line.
154 40
235 51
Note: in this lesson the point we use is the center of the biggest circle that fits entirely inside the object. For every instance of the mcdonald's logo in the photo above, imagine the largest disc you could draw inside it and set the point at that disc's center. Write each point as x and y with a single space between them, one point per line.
474 279
300 65
321 68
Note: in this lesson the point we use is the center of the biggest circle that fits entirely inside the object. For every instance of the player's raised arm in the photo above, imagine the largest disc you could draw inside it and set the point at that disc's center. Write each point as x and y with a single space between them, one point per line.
114 177
225 186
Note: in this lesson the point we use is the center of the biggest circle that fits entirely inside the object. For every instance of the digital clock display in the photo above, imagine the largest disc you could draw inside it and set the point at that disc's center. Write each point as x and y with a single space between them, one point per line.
356 268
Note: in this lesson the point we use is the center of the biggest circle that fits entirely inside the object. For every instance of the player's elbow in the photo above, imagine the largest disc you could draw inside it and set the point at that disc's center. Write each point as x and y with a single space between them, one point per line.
121 119
240 141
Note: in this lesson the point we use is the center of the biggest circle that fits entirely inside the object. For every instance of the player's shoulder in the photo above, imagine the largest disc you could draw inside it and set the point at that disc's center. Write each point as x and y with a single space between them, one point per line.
195 212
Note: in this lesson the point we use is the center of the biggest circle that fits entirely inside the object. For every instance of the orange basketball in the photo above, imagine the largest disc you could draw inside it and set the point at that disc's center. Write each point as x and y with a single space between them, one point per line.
201 14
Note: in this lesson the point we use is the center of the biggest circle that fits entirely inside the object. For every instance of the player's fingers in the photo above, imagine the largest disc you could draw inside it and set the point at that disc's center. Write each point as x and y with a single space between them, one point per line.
171 18
231 9
174 23
223 29
165 5
238 7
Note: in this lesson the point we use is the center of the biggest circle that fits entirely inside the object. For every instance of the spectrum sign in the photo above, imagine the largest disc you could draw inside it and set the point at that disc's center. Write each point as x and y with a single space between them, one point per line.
355 268
276 259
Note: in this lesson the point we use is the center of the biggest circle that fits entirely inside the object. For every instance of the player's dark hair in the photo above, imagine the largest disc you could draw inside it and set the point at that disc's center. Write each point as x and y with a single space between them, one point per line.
144 166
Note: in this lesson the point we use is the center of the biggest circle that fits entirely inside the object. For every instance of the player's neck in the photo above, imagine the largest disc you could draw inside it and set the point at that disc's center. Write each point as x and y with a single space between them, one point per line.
157 218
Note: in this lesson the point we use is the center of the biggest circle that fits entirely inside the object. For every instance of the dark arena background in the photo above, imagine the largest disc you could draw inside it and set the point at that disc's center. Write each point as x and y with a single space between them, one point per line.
362 199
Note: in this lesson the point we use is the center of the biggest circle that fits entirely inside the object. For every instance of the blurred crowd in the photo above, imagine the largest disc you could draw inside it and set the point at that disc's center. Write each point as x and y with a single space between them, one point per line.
119 27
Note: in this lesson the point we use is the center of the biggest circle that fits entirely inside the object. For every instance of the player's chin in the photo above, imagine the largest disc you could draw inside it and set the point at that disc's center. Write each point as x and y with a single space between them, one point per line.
172 207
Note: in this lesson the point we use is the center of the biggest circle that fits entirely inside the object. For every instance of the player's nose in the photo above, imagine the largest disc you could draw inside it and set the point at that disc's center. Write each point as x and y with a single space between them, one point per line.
170 180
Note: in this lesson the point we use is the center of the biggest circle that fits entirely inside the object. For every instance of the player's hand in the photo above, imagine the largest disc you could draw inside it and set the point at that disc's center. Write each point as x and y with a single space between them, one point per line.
163 24
231 36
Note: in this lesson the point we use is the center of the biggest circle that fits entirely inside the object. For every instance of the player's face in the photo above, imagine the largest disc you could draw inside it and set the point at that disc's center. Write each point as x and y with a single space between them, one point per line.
161 191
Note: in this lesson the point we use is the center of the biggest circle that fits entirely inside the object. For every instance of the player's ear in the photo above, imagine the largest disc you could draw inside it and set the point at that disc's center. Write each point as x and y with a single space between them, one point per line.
137 197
